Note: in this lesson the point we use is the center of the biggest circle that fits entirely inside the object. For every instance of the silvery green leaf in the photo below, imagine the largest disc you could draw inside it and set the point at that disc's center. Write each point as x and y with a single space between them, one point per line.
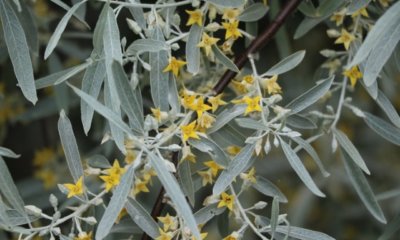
185 180
28 23
91 84
227 3
390 229
224 59
129 101
286 64
383 128
158 79
362 187
274 215
173 96
4 220
385 104
372 89
311 96
380 55
18 51
226 116
354 6
116 204
142 218
326 8
235 167
64 6
17 219
267 188
308 9
70 146
146 45
5 152
253 13
381 30
298 121
116 133
8 189
173 190
207 213
251 124
60 29
103 110
212 148
350 149
126 226
61 76
302 233
81 12
98 32
98 161
314 155
137 14
192 50
300 169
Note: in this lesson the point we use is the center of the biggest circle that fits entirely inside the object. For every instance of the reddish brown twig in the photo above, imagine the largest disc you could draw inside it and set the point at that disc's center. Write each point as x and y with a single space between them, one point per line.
240 61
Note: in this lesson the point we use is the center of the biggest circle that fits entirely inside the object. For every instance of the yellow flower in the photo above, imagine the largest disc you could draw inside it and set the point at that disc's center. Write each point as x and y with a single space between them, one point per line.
43 156
338 17
232 30
226 201
232 236
110 181
168 222
174 65
346 38
271 85
353 74
116 169
121 214
195 17
216 102
74 189
250 176
147 174
200 106
140 186
188 131
207 177
188 155
233 150
207 42
230 14
248 79
84 236
202 236
48 177
157 113
130 156
253 104
189 101
361 11
164 235
238 87
206 120
214 167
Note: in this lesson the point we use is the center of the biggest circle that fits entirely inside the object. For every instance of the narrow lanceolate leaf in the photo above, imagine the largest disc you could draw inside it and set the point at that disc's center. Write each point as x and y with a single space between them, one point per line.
91 84
314 155
117 202
311 96
225 117
235 167
192 50
298 121
209 146
274 215
146 45
60 29
61 76
159 79
129 102
185 180
18 51
383 128
8 189
348 146
4 220
253 13
27 19
142 218
375 37
207 213
362 187
302 233
300 169
227 3
267 188
116 133
70 146
175 193
224 59
5 152
103 110
385 104
286 64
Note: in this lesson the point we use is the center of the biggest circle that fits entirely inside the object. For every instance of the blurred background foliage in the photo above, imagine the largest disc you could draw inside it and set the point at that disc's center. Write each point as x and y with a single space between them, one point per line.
32 130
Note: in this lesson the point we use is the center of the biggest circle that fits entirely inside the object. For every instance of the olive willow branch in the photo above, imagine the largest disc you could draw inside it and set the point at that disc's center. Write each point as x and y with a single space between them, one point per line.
257 44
